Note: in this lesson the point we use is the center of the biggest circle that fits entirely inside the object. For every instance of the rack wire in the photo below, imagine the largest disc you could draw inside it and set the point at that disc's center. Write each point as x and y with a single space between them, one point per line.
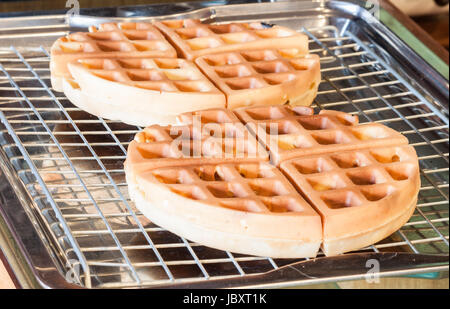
71 164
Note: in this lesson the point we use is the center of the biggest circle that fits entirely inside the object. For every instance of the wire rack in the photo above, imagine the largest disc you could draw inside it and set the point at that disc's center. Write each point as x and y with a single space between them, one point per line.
71 164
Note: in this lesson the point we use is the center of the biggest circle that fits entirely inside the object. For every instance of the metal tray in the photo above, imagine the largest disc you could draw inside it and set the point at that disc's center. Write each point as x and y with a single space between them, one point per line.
63 192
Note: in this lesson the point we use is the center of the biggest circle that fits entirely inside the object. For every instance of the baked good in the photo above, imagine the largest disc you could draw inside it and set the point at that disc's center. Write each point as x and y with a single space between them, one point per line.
100 108
362 195
248 208
362 190
263 77
158 89
115 63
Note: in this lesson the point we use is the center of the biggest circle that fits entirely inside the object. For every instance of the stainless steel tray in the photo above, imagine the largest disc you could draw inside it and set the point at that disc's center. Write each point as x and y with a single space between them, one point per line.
63 192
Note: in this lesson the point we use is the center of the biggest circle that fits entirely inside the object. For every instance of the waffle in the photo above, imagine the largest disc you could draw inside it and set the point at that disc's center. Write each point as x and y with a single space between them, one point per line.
263 77
362 196
193 39
363 189
111 40
209 143
248 208
154 89
111 64
295 132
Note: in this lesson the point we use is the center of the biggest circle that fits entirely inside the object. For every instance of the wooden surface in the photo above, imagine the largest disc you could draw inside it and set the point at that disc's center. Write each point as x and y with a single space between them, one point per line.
436 26
416 30
397 283
5 279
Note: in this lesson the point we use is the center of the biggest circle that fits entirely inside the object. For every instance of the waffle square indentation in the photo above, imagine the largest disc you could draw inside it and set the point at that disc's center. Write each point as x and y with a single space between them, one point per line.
351 160
173 176
326 182
367 176
268 187
313 165
341 199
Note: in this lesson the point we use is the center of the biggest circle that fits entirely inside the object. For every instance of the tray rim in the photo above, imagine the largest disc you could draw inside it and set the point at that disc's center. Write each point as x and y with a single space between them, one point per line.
53 281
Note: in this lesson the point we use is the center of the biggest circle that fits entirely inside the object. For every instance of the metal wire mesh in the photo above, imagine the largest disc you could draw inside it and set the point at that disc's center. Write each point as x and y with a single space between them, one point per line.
72 166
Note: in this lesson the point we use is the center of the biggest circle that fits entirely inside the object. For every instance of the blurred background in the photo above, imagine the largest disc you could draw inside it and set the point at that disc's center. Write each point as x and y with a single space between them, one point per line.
431 15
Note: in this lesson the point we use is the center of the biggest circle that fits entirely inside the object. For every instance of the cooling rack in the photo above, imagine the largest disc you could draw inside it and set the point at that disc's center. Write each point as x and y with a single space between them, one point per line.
66 166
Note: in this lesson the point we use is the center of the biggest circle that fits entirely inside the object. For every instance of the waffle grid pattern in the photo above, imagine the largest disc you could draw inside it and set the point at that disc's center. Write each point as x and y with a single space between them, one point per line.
247 187
335 182
159 74
275 73
127 38
285 132
350 179
254 68
343 178
215 141
213 115
292 132
194 38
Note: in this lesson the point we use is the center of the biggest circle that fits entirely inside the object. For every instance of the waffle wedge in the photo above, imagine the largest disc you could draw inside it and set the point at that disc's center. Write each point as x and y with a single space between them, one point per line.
363 196
248 208
110 40
140 91
193 39
263 77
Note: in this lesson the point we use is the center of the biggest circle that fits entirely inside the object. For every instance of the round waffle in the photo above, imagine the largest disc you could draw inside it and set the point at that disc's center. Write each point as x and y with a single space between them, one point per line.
342 195
132 66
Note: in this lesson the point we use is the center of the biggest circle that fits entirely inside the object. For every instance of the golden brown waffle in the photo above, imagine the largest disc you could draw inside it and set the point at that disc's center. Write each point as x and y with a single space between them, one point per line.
151 87
193 39
263 77
130 40
362 195
208 143
249 208
363 189
295 132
